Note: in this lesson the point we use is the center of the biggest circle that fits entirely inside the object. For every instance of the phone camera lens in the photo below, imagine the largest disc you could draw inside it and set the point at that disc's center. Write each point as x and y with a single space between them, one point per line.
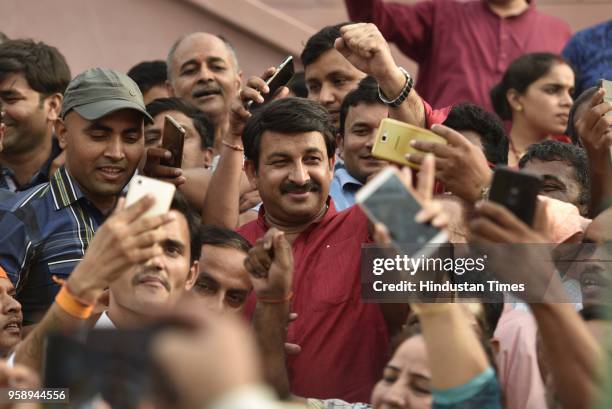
385 137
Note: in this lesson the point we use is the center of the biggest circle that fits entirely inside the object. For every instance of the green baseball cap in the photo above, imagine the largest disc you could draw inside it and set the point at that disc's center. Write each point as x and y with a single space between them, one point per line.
99 91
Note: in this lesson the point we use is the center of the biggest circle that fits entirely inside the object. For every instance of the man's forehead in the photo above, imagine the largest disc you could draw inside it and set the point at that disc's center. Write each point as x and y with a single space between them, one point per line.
298 142
367 113
178 230
14 80
201 46
330 63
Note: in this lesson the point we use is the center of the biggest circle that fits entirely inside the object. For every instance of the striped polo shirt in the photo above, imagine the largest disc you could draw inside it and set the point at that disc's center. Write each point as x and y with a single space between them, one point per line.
44 232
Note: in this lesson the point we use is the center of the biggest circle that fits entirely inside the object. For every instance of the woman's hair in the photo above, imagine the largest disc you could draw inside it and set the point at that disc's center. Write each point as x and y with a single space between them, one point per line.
521 73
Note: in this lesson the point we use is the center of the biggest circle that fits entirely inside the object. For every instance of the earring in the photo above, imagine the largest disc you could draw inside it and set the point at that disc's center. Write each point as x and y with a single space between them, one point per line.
519 108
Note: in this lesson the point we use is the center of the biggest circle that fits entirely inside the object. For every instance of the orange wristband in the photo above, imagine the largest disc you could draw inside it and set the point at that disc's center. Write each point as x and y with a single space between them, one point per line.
278 300
71 305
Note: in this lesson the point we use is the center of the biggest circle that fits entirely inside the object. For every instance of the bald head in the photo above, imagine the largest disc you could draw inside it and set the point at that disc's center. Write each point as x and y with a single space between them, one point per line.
203 69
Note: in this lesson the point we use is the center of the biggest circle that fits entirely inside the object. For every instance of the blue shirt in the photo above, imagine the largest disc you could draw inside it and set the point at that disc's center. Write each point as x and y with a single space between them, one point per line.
590 53
343 188
45 232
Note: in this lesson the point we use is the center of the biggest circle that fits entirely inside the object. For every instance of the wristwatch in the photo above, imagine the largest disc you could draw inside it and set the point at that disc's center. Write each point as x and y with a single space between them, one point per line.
397 101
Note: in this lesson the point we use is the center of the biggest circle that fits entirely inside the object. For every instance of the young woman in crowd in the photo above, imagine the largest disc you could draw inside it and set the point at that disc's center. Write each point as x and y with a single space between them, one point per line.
535 94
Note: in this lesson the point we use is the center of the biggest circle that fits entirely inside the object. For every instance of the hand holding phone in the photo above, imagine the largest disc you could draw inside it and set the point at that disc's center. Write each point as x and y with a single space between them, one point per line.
282 76
385 199
393 141
173 139
517 191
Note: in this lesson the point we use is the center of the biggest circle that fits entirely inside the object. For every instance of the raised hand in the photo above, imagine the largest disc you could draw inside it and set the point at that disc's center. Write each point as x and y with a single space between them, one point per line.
126 239
460 165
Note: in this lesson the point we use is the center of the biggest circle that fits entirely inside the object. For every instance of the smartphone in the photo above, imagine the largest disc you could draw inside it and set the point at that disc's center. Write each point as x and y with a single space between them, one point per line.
517 191
282 76
386 200
163 191
173 139
607 86
393 141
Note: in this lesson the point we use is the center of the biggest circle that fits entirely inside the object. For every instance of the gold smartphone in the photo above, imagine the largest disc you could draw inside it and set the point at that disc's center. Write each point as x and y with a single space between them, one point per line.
393 141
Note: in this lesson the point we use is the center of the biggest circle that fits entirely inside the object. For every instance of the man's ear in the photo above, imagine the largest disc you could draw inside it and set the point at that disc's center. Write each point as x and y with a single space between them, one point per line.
192 277
54 102
208 157
61 133
170 88
239 79
251 172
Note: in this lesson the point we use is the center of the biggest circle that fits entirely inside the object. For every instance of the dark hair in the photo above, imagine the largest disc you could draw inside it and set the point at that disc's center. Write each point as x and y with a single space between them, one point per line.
492 313
221 237
201 121
297 85
180 204
595 312
365 93
42 65
470 117
574 156
521 73
148 74
287 116
583 98
320 42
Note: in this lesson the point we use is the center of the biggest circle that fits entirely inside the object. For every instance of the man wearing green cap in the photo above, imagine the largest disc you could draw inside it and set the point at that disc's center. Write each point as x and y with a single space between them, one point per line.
46 229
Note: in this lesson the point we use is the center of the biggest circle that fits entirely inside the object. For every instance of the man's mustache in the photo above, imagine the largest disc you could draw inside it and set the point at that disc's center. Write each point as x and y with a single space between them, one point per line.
310 186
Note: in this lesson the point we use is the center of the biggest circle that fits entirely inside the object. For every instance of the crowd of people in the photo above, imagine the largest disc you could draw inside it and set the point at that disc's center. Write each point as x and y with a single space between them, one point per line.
250 285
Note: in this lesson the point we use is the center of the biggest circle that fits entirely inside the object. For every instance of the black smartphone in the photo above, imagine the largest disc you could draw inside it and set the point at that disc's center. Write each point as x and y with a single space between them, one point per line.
517 191
173 139
282 76
386 200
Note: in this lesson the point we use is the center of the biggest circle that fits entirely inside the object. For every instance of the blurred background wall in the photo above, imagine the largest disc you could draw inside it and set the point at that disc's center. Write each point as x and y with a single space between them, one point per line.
120 33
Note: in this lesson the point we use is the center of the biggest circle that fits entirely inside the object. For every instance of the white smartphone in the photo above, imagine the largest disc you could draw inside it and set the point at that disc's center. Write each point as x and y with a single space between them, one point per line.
386 200
162 191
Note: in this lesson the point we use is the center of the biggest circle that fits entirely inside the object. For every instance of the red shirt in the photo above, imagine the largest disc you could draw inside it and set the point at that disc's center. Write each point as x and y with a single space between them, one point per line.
462 48
344 341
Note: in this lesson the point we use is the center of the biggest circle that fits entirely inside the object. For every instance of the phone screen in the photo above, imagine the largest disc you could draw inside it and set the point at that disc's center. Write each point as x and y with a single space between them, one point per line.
394 206
173 140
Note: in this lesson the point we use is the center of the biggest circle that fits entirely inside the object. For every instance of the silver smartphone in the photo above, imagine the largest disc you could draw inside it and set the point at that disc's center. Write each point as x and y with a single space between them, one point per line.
386 200
162 191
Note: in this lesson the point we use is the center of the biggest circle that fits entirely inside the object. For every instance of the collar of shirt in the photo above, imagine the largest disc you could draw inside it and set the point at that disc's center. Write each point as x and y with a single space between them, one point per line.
530 3
345 178
329 214
64 189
